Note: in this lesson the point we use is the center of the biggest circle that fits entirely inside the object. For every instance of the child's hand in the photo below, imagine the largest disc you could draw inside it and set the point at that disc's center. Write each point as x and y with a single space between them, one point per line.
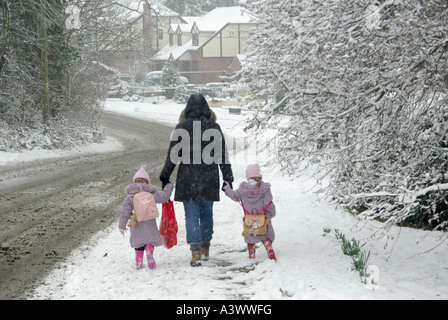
122 231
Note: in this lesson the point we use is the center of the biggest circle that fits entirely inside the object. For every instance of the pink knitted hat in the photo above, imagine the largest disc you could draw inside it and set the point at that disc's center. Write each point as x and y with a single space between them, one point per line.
253 170
141 174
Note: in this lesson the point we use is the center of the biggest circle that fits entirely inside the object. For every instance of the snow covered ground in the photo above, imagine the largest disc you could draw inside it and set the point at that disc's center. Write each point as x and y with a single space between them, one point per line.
30 155
310 262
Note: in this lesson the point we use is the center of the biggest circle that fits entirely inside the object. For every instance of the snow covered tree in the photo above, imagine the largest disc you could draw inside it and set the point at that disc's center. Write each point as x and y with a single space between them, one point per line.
51 50
26 45
359 88
182 94
39 58
170 76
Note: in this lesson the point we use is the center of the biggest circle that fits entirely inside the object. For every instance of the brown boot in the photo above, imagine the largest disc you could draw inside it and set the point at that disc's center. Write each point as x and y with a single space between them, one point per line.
205 252
195 259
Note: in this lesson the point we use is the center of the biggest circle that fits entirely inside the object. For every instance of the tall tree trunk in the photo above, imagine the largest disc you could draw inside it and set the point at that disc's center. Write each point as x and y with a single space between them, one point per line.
44 65
4 34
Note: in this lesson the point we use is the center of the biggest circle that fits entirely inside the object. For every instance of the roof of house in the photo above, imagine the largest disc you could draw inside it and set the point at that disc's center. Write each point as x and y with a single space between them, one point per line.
229 15
216 19
175 52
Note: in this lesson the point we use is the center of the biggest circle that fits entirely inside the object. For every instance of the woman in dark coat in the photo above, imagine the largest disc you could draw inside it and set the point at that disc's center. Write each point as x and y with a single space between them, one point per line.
198 145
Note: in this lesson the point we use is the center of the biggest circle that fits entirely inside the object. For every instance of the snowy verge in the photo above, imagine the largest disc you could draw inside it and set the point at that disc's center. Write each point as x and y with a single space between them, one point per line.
108 145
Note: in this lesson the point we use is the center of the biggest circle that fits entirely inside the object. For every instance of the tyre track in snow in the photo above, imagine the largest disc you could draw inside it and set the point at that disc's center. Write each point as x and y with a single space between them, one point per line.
50 207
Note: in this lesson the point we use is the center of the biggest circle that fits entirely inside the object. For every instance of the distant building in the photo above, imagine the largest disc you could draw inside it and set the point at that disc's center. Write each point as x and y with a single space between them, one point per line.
150 21
209 47
204 48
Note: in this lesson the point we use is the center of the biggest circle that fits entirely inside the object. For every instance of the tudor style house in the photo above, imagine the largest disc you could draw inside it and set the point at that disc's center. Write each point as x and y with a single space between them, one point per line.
204 48
209 47
148 24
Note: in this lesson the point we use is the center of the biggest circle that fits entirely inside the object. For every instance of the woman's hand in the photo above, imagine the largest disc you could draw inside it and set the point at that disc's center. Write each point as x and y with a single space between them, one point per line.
226 185
165 181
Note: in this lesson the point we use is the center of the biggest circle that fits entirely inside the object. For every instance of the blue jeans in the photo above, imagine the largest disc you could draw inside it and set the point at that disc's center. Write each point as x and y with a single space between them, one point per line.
199 223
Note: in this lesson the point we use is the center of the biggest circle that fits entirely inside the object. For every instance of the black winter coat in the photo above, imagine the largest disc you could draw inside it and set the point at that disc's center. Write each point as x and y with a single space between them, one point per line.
198 181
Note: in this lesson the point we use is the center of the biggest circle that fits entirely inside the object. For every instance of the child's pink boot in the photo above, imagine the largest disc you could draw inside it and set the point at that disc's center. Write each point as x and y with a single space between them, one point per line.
251 250
150 256
268 245
139 259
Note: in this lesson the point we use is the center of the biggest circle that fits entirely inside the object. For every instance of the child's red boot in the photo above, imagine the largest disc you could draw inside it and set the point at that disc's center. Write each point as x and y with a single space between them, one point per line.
251 250
139 259
268 245
150 256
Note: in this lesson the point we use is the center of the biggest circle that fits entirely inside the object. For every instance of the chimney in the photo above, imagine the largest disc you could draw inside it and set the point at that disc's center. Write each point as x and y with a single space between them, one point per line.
147 29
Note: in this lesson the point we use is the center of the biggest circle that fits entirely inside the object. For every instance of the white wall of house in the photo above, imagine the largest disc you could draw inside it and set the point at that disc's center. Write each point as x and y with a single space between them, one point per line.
229 42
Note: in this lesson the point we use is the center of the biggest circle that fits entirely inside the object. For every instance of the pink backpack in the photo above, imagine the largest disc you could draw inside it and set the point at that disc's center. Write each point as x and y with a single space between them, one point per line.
144 206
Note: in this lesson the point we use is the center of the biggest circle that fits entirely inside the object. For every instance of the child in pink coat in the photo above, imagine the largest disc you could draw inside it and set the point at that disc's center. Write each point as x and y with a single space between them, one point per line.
145 235
255 194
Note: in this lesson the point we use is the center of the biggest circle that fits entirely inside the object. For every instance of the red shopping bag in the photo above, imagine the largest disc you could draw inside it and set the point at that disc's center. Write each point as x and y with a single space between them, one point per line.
168 225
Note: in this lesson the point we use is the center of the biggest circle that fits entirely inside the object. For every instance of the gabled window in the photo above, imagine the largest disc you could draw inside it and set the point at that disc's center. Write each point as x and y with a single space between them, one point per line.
195 39
171 36
195 33
179 36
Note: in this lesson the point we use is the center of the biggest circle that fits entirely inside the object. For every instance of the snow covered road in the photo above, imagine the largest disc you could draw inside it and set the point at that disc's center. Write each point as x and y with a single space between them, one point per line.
51 206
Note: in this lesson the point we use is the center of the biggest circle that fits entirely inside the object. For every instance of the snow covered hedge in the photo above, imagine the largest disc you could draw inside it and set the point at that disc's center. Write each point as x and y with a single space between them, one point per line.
359 87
